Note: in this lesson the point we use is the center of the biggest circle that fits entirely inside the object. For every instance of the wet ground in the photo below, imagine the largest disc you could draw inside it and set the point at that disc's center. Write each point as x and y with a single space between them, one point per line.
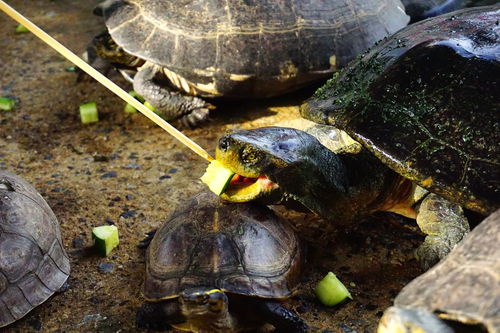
126 171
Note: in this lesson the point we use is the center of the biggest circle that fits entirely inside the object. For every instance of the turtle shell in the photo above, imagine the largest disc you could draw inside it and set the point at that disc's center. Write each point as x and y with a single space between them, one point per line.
238 248
231 44
464 286
33 263
426 102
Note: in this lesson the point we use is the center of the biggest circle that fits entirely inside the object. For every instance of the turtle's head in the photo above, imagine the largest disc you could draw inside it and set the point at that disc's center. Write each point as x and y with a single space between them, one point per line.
400 320
277 163
104 47
203 303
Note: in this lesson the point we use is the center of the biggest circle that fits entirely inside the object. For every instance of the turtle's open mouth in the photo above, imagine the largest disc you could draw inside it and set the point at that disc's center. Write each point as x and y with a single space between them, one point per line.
243 189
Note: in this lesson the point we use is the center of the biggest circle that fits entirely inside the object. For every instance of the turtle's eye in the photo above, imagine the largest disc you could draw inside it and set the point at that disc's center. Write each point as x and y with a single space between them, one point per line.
250 156
224 143
5 185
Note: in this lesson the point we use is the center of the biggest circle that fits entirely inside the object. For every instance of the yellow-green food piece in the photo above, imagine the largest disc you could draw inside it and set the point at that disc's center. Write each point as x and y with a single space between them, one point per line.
217 177
21 28
88 113
129 108
149 106
330 291
6 104
105 238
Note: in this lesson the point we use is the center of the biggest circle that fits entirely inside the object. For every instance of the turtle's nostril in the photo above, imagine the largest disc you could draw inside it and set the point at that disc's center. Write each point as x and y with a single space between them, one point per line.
224 143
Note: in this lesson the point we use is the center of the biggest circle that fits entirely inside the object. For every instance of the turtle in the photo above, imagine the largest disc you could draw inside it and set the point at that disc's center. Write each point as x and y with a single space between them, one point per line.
215 266
182 51
33 263
460 294
422 112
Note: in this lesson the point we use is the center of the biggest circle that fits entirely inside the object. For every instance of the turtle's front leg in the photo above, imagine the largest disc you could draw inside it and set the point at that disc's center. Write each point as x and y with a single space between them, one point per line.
190 110
445 225
281 318
160 315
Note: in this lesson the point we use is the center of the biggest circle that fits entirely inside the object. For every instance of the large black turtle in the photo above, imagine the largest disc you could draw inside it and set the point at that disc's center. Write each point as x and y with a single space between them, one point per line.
425 103
33 263
215 266
236 48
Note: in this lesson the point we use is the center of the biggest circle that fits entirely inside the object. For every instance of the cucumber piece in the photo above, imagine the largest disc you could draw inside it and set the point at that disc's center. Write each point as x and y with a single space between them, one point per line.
6 104
217 177
149 106
330 291
105 238
129 108
21 29
88 113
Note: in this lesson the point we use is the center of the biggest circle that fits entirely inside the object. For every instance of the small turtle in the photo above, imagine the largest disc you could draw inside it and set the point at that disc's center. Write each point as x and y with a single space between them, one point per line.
460 294
33 263
235 48
424 103
221 267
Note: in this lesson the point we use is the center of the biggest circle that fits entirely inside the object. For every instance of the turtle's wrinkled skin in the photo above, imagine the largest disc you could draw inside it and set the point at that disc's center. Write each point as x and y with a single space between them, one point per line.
238 49
426 103
463 290
221 267
33 263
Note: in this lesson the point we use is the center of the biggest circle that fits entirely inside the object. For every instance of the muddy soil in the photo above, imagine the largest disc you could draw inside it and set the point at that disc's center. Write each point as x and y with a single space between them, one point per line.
126 171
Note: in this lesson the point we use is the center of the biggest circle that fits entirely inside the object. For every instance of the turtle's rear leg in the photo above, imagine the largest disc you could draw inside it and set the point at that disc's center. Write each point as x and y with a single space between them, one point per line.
190 110
445 225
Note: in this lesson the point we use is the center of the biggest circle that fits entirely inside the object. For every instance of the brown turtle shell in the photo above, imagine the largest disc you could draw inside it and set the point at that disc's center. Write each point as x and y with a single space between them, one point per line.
465 286
240 45
33 263
239 248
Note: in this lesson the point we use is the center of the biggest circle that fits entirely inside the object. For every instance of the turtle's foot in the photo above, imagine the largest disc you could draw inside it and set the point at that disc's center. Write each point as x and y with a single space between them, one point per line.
432 250
191 111
150 317
146 241
445 224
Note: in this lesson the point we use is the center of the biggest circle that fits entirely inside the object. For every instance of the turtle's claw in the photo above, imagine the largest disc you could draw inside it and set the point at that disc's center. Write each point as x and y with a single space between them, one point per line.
196 117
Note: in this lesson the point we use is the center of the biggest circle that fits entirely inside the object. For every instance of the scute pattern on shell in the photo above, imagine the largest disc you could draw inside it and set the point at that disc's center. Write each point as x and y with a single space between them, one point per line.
33 263
425 101
248 37
465 286
239 248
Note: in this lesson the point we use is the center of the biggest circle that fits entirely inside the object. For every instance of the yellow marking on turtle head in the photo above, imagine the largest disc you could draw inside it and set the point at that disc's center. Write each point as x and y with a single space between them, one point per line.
213 291
427 182
333 61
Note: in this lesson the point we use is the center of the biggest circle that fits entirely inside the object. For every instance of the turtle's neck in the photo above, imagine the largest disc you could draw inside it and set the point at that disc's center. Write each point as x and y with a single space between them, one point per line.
338 187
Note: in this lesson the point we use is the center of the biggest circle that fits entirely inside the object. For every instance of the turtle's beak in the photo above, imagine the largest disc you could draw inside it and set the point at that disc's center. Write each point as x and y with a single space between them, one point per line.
244 189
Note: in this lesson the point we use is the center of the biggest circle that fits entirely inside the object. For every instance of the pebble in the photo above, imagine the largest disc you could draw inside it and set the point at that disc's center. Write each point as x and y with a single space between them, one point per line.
110 174
106 267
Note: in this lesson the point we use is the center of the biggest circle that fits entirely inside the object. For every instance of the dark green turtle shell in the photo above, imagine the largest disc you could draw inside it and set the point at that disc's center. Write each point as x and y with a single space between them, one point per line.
33 263
426 102
237 43
238 248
